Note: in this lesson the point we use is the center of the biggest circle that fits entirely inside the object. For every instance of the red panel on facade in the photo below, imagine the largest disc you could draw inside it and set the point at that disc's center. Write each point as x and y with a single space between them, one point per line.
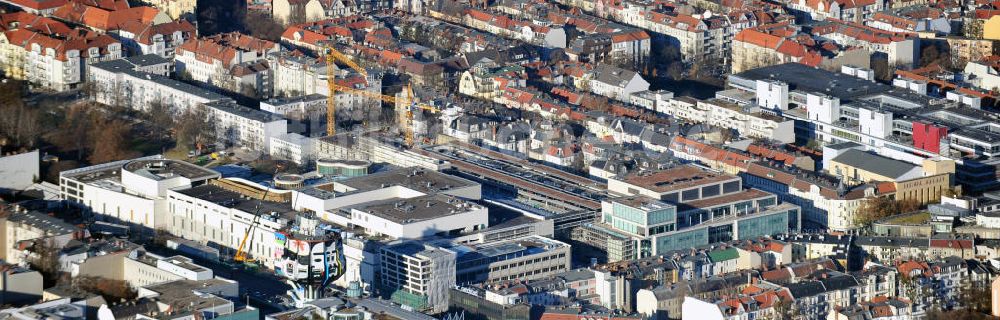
928 136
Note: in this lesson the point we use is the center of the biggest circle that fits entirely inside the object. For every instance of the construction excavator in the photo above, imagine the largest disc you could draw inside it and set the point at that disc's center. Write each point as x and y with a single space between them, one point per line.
408 101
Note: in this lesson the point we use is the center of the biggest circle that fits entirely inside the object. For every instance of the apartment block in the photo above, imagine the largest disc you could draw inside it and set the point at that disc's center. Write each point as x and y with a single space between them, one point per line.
138 84
240 126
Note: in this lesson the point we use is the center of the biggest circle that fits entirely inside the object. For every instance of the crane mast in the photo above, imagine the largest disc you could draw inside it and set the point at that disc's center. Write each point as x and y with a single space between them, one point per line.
333 56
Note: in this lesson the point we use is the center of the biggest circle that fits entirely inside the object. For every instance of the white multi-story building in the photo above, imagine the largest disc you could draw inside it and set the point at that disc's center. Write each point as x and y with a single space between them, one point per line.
523 258
54 61
901 48
159 39
222 211
697 37
306 114
369 148
293 147
855 109
419 217
125 261
748 120
300 75
236 125
855 10
131 192
308 106
418 275
124 83
21 224
983 73
297 74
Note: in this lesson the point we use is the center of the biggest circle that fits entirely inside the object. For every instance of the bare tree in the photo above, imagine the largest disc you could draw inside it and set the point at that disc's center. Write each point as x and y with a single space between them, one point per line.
878 208
160 119
45 258
676 70
20 123
111 142
263 26
74 131
194 128
110 289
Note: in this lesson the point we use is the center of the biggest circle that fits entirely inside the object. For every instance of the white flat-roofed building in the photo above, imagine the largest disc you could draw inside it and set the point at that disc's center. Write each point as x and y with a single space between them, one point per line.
419 217
674 185
184 267
236 125
403 183
526 258
122 82
309 106
748 120
214 213
131 192
350 147
125 261
418 275
293 147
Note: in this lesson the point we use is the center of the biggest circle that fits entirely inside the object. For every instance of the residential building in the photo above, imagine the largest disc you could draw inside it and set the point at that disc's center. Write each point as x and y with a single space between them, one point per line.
758 301
297 11
231 61
983 73
159 39
824 290
749 121
39 7
52 55
917 19
293 147
176 9
616 83
856 11
24 228
699 37
900 48
236 125
136 84
783 42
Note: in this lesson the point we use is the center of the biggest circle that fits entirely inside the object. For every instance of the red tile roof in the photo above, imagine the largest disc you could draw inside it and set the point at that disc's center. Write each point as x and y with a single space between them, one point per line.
39 4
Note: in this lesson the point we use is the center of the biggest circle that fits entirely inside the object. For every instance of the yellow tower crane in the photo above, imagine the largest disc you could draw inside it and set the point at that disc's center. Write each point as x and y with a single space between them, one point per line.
408 101
332 56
